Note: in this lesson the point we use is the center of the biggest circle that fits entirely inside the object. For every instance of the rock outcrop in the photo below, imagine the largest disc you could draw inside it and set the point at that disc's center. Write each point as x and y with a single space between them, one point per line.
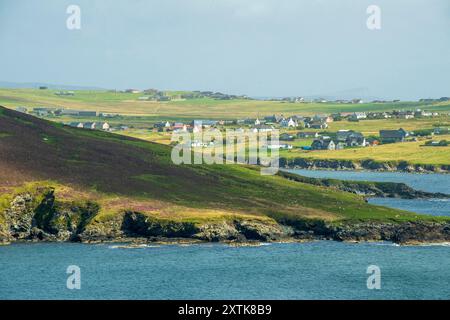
368 164
367 188
38 216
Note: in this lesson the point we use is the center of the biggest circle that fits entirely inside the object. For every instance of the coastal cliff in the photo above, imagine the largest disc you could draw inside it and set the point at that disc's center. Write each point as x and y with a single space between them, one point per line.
39 216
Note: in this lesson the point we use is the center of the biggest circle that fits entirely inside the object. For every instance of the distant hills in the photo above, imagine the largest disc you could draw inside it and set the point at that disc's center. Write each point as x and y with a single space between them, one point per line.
35 85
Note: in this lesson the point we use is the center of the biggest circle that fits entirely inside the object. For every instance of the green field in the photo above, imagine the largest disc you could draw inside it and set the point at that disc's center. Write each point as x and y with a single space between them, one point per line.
412 152
140 116
128 104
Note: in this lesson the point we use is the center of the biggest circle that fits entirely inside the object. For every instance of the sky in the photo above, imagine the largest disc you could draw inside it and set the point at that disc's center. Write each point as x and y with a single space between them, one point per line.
261 48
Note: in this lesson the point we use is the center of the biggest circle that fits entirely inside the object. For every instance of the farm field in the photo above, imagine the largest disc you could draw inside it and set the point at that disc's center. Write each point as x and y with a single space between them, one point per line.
128 104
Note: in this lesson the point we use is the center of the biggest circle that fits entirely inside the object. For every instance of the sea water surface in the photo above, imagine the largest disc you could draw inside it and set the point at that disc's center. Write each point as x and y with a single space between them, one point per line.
314 270
426 182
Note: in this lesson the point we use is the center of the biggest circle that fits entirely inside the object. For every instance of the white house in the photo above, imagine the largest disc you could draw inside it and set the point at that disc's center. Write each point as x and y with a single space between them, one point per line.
279 146
105 126
292 123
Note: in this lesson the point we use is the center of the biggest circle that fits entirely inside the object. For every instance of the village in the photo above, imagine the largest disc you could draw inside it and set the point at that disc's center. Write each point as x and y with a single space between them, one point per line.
305 133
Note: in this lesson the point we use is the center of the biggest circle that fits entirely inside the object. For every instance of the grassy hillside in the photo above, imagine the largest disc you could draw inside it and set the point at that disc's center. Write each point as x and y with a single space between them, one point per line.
128 104
121 172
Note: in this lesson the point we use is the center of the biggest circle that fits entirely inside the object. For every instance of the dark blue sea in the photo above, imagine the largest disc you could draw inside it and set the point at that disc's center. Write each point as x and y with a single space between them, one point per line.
315 270
425 182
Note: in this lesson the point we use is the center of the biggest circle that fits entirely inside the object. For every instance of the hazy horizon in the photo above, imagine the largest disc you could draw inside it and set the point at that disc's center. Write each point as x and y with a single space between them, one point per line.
263 48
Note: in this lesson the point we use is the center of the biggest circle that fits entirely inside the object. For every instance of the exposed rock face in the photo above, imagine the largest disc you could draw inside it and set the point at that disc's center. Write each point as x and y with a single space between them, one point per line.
242 230
302 163
105 230
253 230
219 231
39 217
19 216
36 216
136 224
404 233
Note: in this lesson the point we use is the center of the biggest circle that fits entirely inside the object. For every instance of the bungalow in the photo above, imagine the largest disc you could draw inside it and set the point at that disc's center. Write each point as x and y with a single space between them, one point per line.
292 123
262 128
22 109
441 131
273 119
351 138
102 126
76 124
393 135
405 115
323 144
356 116
280 146
288 123
132 91
307 134
179 127
87 113
322 118
286 137
422 113
79 113
318 125
89 125
43 111
204 123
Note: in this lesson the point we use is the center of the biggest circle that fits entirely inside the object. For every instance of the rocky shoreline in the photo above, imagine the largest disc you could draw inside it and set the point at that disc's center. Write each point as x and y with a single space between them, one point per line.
369 165
367 188
32 217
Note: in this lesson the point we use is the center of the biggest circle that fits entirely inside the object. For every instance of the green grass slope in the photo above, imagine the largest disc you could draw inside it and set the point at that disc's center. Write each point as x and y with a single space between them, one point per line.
121 172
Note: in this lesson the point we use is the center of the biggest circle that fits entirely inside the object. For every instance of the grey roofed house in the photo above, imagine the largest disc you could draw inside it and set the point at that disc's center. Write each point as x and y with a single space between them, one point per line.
350 135
318 125
87 113
89 125
274 118
76 124
69 112
323 144
441 130
355 141
22 109
262 128
208 123
304 134
286 137
393 135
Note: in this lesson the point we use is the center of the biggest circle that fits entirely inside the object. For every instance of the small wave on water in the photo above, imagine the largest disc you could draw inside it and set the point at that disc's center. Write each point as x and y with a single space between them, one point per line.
437 244
133 246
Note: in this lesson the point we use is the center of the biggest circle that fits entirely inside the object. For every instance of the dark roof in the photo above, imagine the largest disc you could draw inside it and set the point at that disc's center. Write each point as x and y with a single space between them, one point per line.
400 133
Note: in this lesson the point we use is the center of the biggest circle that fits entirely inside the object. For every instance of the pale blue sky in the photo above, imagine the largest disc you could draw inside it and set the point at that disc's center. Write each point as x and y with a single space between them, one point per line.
255 47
